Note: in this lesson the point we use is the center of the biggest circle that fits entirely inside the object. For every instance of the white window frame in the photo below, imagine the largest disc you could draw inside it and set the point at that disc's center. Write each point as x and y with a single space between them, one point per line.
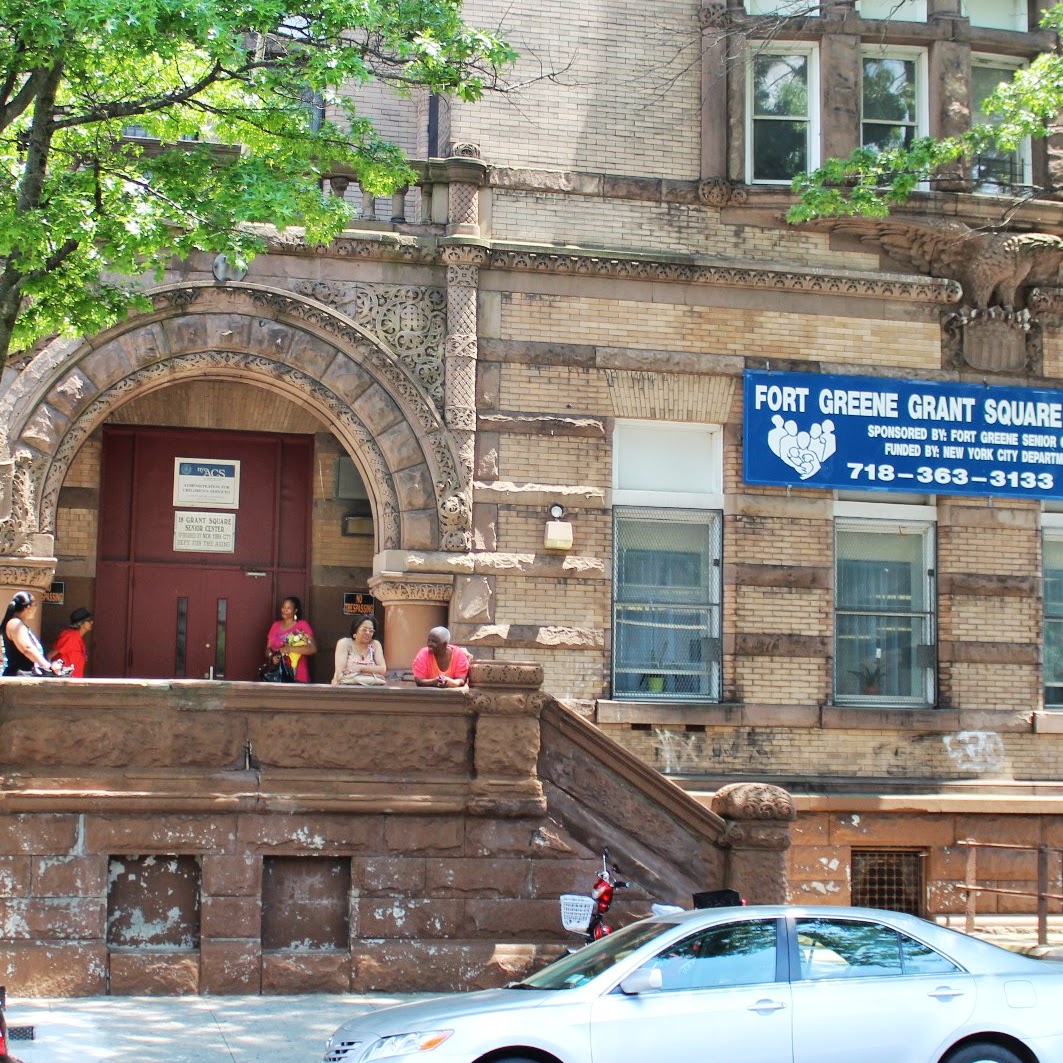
890 520
811 51
678 439
921 125
1024 151
639 447
892 10
995 14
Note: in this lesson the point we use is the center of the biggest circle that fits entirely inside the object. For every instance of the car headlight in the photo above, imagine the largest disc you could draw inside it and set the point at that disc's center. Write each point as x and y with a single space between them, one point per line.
406 1044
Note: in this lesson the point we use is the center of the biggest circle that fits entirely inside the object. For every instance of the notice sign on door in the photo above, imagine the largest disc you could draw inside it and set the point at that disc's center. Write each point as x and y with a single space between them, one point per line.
204 533
208 483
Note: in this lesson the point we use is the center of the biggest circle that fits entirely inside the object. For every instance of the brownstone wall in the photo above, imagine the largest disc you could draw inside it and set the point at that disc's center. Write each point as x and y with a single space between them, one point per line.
191 837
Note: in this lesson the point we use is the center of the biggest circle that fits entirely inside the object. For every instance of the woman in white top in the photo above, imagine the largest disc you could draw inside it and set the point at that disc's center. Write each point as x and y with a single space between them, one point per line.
360 658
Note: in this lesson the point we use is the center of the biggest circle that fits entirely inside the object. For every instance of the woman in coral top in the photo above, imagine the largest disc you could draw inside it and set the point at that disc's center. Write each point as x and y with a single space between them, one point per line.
439 664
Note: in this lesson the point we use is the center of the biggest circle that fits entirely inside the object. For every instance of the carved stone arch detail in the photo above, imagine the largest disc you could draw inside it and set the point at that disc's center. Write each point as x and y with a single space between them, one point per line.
251 333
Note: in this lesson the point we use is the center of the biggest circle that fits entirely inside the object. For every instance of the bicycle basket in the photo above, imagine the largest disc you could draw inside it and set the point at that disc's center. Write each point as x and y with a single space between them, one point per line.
576 911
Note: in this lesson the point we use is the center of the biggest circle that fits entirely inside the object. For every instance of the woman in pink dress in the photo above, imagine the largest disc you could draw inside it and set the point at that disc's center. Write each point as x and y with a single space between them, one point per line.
293 636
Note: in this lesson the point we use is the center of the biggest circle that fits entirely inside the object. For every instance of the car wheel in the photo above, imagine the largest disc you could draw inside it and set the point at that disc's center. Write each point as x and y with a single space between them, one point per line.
983 1052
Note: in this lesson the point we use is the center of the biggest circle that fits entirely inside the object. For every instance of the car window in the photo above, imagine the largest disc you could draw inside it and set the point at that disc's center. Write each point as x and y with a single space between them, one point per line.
848 948
922 959
841 948
730 955
589 962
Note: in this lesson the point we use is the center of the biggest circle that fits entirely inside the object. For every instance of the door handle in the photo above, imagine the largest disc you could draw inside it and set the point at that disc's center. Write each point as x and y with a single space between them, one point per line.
767 1005
944 992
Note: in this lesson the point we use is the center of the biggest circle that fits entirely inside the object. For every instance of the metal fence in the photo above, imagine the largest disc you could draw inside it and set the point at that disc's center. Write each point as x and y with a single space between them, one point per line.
1045 853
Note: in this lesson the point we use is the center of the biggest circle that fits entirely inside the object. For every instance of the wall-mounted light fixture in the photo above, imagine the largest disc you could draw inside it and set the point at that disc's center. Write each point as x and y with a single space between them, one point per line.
558 532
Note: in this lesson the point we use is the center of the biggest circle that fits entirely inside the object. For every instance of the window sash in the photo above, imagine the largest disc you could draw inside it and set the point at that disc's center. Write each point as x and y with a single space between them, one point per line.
883 615
995 171
666 608
781 126
891 99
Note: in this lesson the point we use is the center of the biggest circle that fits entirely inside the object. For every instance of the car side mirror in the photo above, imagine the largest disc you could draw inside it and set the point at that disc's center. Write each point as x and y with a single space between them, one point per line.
642 980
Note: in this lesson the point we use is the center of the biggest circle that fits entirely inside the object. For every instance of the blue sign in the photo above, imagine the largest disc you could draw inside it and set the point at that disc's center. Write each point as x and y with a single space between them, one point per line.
863 433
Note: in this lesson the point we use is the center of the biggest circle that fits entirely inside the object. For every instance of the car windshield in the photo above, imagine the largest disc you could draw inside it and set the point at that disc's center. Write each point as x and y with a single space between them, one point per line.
589 962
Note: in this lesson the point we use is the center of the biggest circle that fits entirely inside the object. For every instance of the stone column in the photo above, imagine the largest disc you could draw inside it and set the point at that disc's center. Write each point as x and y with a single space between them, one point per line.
455 500
413 605
507 699
758 819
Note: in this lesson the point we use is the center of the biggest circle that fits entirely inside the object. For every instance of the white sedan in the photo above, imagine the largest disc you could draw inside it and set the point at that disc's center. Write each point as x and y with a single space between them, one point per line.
764 984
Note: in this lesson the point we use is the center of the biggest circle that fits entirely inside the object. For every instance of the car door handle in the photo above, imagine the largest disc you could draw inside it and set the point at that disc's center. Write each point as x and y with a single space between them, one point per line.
944 992
767 1005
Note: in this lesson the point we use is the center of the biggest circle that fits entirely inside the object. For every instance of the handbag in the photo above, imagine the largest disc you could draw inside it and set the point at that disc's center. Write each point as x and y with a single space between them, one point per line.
277 669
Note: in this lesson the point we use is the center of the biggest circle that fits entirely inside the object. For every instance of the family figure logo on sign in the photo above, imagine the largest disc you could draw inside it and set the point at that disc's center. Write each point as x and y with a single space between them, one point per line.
805 452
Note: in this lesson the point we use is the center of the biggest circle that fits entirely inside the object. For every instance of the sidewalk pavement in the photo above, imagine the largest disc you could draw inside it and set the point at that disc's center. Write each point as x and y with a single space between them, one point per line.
223 1029
238 1029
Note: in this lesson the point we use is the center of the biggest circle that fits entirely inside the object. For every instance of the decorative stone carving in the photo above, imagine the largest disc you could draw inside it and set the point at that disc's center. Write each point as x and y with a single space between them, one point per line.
18 514
718 192
993 267
194 364
992 340
465 150
754 801
390 590
411 321
720 17
872 285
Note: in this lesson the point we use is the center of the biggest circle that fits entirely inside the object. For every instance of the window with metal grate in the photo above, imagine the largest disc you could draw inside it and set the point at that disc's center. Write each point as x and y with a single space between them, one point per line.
891 879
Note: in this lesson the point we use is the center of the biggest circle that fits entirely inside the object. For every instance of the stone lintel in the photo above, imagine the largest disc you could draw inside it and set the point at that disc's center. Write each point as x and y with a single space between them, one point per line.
542 424
998 515
766 644
989 653
786 576
428 567
780 506
532 636
533 494
976 584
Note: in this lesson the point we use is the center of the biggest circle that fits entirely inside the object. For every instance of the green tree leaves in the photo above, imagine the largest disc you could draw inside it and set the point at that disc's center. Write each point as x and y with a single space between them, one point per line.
132 131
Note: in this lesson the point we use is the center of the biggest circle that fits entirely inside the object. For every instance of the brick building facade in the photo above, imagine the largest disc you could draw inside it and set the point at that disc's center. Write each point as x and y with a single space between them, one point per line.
563 313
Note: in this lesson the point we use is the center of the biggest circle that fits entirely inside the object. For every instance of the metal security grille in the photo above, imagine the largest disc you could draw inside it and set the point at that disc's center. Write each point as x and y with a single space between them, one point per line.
666 617
888 879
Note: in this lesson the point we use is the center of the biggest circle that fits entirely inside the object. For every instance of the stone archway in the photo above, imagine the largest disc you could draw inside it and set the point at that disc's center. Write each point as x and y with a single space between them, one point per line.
310 353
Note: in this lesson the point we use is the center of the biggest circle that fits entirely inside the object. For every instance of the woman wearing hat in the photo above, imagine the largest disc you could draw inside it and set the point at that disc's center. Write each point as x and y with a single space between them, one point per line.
70 646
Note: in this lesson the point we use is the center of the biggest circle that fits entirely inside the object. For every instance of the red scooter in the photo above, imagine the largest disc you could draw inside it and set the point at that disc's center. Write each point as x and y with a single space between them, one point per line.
586 915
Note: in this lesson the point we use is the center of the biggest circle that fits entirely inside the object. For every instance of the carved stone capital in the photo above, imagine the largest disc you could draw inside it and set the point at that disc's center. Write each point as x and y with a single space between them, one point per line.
391 588
745 801
464 254
523 675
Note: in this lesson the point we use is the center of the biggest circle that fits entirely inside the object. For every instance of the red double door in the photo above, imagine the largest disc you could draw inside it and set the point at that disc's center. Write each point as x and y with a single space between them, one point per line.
166 609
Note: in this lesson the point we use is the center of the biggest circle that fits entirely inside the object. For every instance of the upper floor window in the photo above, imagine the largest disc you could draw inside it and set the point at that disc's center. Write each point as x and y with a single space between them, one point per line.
902 10
893 103
997 14
884 612
782 132
995 170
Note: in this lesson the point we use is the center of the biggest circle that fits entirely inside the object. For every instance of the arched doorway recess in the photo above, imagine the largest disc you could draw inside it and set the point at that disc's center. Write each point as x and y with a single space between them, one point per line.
251 335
